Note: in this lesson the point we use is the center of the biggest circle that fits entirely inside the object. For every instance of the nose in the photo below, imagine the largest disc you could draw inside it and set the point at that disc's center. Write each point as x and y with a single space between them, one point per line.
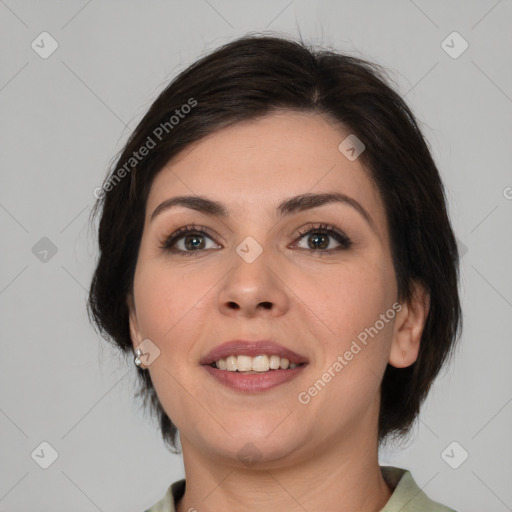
254 288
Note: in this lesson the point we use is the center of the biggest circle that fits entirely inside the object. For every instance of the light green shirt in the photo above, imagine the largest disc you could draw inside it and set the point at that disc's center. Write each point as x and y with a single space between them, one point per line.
406 497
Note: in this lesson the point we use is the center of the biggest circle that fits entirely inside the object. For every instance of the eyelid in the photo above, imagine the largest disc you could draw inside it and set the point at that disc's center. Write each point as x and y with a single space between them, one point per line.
168 239
344 241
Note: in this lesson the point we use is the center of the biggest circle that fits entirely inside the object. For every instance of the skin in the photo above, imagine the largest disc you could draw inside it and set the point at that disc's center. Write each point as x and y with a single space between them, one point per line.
317 456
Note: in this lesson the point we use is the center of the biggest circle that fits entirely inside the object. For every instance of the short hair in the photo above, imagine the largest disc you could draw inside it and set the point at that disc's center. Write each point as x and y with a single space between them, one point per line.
246 79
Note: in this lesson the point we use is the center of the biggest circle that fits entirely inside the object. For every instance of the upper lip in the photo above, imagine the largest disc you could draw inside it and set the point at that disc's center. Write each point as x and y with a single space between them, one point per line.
251 348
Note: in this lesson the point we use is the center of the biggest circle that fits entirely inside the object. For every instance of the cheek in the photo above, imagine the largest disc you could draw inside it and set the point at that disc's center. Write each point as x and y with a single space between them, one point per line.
154 304
345 299
167 299
168 311
355 340
346 381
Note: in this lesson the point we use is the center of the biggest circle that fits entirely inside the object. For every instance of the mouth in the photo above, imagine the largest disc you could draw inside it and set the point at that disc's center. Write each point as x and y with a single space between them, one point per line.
253 366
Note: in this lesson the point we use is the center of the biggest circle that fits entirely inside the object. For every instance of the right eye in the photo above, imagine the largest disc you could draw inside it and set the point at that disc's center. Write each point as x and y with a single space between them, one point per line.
187 240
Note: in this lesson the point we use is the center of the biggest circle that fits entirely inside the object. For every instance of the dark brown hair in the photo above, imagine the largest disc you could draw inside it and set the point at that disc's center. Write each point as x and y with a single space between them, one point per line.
248 78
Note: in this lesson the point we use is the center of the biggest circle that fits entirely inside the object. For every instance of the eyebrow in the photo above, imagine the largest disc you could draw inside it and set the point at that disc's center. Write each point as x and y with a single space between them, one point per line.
291 205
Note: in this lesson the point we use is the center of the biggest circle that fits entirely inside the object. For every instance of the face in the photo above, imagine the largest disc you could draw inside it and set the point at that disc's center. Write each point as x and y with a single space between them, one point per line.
314 291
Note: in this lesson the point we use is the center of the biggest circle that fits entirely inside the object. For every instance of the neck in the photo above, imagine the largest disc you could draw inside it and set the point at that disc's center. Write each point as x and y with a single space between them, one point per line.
341 475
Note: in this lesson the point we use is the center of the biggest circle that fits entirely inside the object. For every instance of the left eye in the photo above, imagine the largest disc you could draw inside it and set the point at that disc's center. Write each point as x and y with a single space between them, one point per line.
318 238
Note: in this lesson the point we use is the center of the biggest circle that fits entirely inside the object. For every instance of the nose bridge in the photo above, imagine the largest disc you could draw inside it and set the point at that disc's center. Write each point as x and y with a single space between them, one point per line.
252 283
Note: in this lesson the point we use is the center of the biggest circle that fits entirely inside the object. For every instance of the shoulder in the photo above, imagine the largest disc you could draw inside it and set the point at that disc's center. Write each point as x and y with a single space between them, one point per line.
172 496
407 496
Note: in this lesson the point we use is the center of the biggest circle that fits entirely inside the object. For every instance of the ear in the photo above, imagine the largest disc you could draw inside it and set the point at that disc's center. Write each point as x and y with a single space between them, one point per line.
134 326
409 324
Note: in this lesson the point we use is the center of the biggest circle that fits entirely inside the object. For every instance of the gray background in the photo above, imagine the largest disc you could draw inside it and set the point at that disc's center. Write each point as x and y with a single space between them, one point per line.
64 118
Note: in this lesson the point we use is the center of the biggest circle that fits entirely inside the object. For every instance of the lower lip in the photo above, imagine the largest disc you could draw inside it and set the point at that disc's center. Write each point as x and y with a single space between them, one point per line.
254 382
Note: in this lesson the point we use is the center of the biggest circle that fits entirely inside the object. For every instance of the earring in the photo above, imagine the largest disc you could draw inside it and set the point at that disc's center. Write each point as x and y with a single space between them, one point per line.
137 360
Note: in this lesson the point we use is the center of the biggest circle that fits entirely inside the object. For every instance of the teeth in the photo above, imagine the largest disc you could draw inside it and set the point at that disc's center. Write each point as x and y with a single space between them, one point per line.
244 363
261 363
231 364
258 363
275 362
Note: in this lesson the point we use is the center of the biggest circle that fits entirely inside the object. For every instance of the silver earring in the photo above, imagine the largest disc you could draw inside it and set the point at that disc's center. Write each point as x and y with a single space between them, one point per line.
137 360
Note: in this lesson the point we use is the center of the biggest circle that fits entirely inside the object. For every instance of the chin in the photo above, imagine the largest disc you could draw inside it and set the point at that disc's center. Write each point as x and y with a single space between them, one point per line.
260 449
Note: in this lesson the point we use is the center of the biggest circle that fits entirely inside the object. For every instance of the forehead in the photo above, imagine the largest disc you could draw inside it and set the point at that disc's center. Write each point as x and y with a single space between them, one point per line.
258 163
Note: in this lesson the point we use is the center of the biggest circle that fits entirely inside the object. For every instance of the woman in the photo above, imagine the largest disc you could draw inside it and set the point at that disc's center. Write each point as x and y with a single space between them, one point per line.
276 251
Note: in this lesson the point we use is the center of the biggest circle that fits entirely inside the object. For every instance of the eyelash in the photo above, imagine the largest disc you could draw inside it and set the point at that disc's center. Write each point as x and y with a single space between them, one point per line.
326 229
